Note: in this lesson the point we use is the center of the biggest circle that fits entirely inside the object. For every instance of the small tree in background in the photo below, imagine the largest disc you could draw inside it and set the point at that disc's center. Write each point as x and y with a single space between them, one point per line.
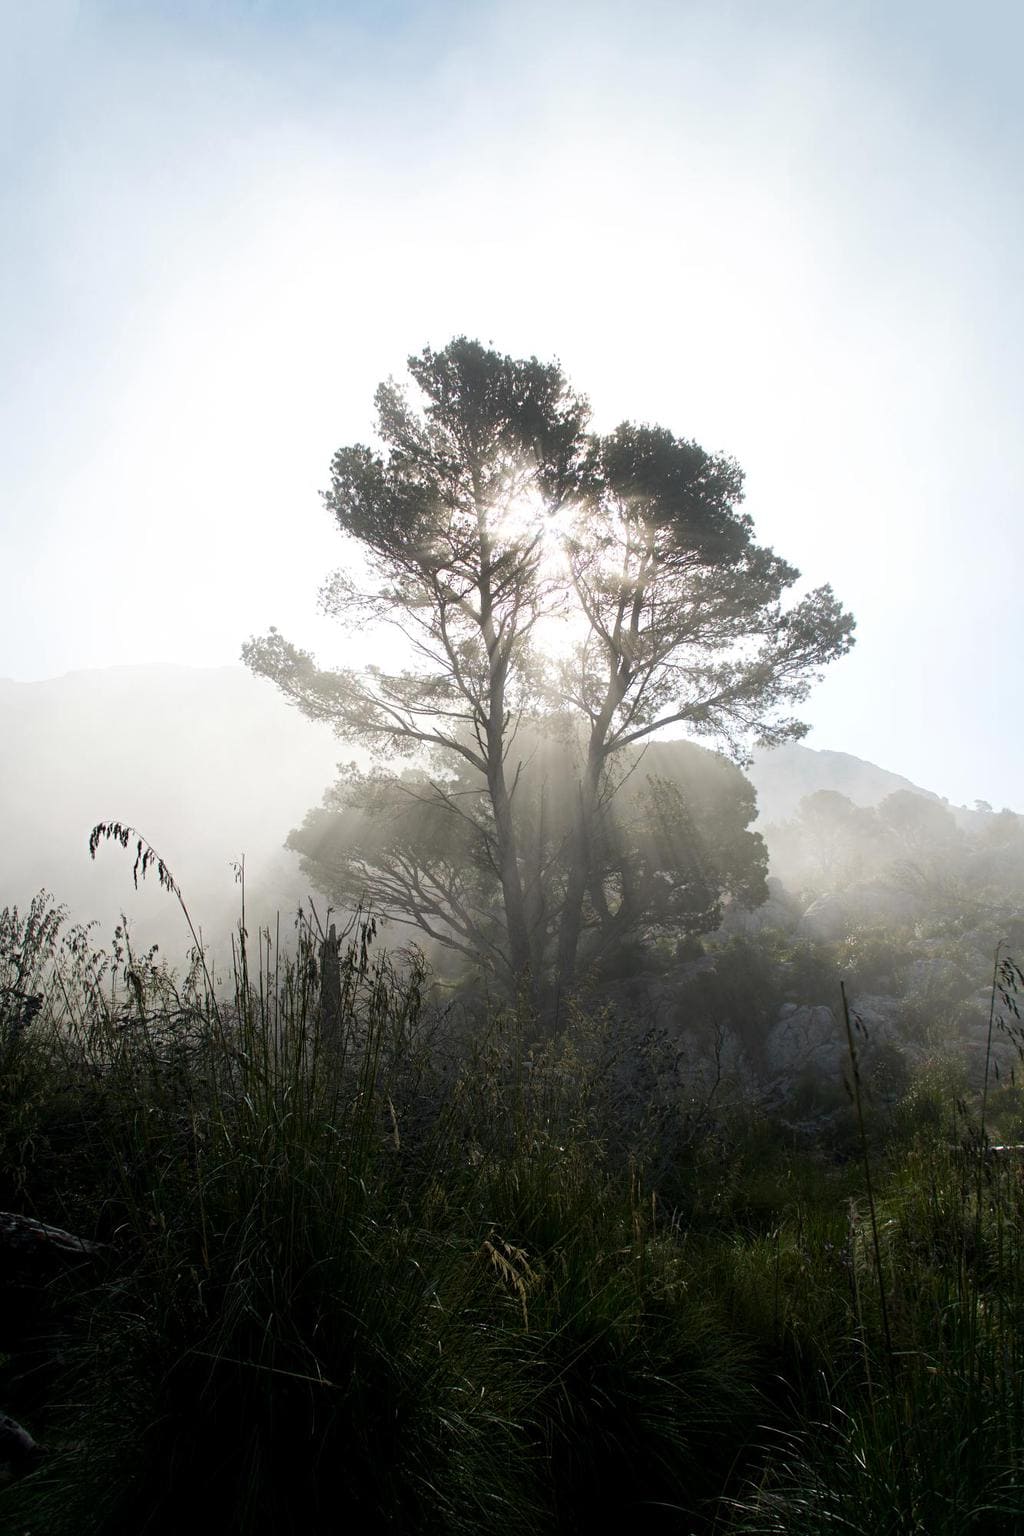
489 512
677 847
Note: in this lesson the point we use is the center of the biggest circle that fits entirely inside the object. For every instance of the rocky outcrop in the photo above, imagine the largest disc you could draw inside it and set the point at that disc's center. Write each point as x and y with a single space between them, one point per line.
804 1040
1004 1052
807 1054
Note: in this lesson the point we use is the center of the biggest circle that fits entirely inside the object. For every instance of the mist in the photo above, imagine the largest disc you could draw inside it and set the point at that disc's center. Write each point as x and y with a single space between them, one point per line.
207 765
512 875
789 239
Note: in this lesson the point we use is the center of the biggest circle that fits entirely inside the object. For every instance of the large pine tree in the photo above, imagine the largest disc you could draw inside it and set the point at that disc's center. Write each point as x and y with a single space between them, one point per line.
487 521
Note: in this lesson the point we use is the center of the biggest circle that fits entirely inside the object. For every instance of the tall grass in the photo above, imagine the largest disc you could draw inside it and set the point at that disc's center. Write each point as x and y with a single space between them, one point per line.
374 1266
921 1427
359 1274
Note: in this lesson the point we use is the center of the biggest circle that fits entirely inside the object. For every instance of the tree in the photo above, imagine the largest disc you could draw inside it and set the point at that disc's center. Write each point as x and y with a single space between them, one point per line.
686 624
451 523
676 849
487 511
829 845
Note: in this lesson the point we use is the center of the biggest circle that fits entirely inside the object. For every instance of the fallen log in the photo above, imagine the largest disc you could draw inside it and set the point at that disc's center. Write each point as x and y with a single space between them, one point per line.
16 1444
37 1244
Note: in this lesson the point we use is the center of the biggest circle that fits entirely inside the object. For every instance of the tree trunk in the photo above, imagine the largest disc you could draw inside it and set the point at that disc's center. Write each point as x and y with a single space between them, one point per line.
331 1009
499 655
511 880
571 926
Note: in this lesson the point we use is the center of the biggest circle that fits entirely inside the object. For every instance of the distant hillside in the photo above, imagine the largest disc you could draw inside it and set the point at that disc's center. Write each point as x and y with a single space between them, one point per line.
785 775
211 764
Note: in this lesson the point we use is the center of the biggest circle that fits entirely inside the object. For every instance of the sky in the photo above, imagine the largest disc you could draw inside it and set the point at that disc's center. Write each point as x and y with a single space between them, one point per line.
790 231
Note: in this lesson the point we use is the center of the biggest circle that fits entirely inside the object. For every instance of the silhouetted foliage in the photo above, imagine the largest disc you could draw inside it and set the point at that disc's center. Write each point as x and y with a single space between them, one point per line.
676 848
490 514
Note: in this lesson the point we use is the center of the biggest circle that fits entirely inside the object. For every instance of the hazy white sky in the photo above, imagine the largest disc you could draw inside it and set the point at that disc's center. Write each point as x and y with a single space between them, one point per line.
791 231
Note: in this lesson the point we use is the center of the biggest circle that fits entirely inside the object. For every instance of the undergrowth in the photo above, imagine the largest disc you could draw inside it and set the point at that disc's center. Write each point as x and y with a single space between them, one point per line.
367 1269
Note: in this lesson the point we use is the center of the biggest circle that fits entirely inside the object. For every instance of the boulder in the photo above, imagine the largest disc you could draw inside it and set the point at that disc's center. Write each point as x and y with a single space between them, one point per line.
878 1013
804 1040
807 1061
1007 1048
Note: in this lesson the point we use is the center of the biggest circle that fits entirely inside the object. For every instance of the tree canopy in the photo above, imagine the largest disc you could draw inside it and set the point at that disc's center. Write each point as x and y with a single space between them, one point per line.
489 519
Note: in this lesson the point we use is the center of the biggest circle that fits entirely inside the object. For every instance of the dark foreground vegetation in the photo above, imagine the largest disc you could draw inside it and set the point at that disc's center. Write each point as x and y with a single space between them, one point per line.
370 1264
